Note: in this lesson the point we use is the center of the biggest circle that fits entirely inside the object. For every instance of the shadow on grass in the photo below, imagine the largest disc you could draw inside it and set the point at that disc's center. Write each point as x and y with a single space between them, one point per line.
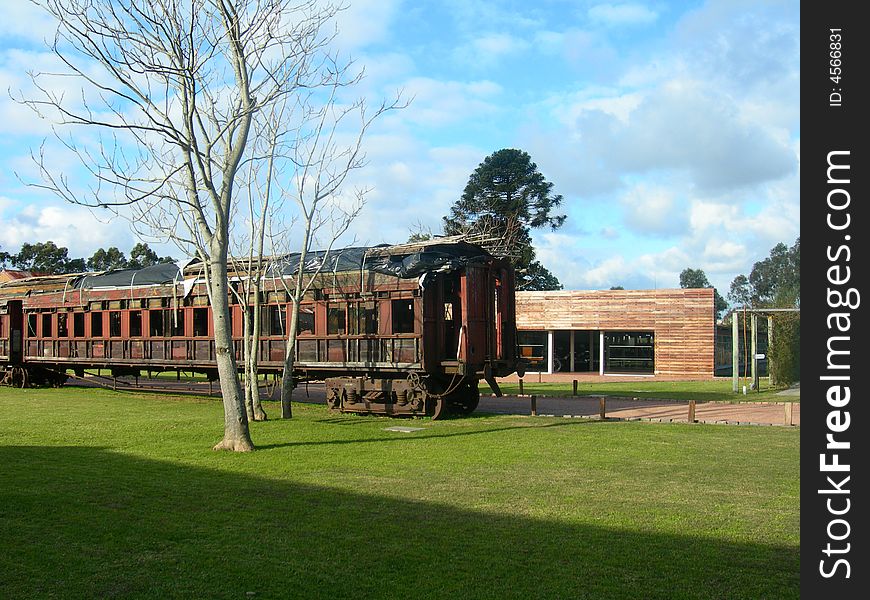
409 436
86 522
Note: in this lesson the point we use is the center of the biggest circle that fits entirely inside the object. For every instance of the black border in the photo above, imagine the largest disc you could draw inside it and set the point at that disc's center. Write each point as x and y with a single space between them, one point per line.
826 128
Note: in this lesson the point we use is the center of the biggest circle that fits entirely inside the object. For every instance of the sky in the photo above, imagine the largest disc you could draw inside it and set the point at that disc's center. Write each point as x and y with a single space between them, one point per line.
671 129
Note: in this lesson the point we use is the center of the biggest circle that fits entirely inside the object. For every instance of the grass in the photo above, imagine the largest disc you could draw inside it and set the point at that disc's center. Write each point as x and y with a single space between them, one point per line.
702 391
118 495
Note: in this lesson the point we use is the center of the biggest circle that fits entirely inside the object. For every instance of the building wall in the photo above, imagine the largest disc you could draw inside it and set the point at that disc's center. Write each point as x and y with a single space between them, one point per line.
682 320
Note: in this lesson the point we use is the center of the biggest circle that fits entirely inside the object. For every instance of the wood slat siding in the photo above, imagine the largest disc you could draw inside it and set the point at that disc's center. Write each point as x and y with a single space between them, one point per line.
682 320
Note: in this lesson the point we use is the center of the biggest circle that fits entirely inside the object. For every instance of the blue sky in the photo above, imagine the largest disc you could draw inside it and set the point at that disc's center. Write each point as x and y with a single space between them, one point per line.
671 128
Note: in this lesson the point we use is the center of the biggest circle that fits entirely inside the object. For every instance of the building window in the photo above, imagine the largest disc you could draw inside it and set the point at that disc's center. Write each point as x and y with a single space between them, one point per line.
533 348
46 325
629 352
31 326
403 316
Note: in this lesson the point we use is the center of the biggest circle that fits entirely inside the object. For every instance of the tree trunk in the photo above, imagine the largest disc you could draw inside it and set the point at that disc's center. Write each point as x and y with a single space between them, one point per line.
258 414
236 434
287 387
247 345
289 360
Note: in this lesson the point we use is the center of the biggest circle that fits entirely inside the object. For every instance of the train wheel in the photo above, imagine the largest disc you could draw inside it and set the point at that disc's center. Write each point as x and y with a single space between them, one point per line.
465 400
436 402
440 408
20 377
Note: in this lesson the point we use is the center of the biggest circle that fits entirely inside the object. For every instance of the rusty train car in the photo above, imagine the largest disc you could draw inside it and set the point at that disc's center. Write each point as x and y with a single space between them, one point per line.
397 330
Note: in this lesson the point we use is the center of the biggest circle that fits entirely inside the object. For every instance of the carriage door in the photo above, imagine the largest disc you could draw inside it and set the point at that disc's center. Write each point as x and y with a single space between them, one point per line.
452 315
16 324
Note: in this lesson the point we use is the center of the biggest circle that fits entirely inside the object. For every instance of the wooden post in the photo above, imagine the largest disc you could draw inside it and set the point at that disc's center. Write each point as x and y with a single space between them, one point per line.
753 336
691 411
789 411
769 344
575 388
521 386
534 402
602 407
735 351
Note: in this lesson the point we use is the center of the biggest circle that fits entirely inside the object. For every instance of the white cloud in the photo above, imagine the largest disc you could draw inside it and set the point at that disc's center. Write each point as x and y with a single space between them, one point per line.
365 22
654 211
621 15
437 103
75 227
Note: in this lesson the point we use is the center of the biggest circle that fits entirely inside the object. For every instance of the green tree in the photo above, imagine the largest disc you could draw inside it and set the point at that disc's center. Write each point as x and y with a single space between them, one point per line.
142 256
4 258
505 198
107 260
697 279
773 282
46 257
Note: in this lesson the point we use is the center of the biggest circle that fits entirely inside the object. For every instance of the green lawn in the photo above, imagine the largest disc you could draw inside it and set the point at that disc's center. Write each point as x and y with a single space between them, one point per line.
119 495
702 391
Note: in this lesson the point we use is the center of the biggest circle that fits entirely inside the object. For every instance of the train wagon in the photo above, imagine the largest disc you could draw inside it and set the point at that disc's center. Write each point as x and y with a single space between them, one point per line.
400 330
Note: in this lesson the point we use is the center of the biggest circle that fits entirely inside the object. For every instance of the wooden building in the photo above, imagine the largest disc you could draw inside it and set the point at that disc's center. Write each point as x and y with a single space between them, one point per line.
645 332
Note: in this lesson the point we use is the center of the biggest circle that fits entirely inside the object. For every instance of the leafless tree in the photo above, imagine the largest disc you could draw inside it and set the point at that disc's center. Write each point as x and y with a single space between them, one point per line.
175 89
326 149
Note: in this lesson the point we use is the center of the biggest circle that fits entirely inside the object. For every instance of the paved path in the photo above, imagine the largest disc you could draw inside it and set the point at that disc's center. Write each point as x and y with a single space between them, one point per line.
620 408
656 410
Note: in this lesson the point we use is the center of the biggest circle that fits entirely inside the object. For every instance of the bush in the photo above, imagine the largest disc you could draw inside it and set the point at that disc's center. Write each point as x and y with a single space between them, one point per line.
785 351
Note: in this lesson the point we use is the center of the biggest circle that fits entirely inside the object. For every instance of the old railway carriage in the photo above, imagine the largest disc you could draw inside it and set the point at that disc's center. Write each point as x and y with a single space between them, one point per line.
392 329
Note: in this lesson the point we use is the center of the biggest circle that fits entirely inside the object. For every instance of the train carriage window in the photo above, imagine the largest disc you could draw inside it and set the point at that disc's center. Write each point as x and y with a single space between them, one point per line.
62 328
336 320
96 324
115 323
31 326
200 322
353 318
155 323
305 322
276 320
364 319
403 316
175 319
135 323
46 325
79 325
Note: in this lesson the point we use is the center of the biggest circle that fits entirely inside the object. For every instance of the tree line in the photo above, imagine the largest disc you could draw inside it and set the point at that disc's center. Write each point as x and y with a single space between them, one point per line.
47 258
774 282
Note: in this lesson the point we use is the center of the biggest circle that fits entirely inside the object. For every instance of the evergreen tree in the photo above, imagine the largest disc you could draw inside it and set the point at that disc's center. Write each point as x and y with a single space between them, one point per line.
506 197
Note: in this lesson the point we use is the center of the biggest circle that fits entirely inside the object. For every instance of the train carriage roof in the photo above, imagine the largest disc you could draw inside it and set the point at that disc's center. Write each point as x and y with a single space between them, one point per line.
404 261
